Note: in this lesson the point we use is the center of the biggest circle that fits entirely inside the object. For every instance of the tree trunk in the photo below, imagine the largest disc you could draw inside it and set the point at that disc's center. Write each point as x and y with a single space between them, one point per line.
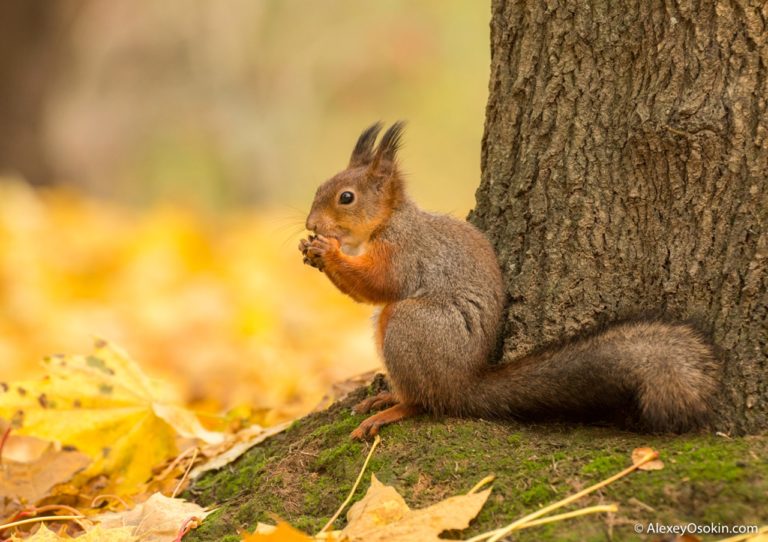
625 171
33 46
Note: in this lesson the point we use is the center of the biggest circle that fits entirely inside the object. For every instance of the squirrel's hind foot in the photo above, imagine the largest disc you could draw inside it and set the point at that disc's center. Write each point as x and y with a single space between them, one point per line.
370 426
379 401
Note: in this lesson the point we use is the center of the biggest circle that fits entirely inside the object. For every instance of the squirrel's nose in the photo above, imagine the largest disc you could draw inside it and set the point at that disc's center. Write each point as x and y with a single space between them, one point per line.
311 223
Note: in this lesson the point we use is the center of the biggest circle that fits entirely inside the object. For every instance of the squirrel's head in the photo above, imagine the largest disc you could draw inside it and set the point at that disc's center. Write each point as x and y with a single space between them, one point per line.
356 202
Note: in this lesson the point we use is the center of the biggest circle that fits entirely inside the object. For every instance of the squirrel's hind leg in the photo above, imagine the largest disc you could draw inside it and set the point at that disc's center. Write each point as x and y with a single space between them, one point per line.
370 426
377 402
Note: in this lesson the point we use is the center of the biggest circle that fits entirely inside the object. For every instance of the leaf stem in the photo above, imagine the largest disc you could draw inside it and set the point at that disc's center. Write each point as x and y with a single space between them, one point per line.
650 456
328 525
485 481
38 520
550 519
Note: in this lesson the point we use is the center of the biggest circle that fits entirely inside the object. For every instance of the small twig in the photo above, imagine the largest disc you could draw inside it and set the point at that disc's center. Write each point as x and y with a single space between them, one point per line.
167 470
51 507
550 519
39 520
650 456
328 525
24 512
66 508
641 504
186 473
34 511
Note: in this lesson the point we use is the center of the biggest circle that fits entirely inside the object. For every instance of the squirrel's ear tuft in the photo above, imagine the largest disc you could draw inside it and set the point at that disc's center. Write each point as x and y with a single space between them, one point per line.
388 146
363 151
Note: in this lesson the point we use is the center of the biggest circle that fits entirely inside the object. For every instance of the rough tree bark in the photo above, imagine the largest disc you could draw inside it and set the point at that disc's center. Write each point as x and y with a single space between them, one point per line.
625 170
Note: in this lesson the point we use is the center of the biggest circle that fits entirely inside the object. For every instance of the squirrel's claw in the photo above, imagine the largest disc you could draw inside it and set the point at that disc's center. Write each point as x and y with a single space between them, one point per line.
370 426
312 256
316 248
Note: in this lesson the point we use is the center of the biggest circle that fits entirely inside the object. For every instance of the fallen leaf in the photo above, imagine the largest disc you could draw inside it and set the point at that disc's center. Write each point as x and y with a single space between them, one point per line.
43 534
158 519
235 446
382 515
639 453
106 407
97 534
23 448
282 532
28 482
100 534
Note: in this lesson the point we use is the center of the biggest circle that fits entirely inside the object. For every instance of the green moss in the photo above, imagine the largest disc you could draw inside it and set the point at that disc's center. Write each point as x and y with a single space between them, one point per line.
604 466
334 457
304 474
538 494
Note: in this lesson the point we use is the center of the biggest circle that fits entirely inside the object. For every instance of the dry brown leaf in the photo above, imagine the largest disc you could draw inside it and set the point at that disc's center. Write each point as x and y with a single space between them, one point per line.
43 534
639 453
158 519
235 446
97 534
22 448
383 516
29 482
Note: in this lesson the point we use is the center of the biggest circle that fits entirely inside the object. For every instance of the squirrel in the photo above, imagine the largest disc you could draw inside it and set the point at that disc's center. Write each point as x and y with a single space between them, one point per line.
442 298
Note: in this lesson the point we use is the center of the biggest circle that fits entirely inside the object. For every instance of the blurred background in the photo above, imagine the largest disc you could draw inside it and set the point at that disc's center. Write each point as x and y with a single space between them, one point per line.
157 160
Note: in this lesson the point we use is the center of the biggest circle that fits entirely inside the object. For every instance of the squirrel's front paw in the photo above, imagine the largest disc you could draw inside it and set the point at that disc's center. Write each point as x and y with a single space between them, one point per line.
317 248
304 245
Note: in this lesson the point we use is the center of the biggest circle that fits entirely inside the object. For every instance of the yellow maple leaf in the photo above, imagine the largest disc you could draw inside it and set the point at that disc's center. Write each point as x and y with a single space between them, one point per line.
282 532
382 515
103 405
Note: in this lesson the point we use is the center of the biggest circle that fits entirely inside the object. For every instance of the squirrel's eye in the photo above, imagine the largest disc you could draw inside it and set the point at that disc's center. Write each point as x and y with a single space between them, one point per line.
346 198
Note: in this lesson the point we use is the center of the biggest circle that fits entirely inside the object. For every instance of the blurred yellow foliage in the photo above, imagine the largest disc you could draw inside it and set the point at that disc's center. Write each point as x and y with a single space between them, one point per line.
219 306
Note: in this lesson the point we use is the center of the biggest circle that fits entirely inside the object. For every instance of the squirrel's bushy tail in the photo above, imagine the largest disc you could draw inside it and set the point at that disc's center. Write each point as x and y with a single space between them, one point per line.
653 376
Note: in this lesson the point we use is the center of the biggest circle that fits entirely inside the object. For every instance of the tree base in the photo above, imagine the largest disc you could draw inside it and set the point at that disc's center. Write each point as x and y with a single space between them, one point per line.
303 475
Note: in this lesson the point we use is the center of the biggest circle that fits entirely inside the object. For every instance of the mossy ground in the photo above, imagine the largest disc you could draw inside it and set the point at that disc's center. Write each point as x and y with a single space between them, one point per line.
303 474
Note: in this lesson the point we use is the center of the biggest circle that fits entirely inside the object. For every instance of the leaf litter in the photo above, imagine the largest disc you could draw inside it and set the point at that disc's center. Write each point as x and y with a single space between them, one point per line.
97 424
103 418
